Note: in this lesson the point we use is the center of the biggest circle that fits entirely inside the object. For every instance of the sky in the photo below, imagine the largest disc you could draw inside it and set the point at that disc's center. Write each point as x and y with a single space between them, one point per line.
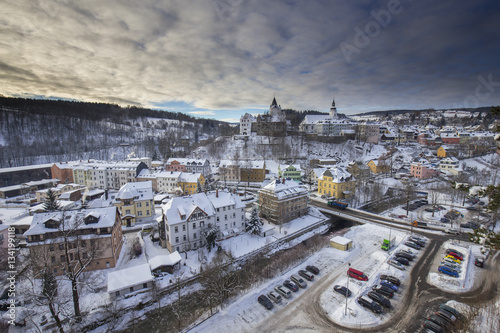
222 58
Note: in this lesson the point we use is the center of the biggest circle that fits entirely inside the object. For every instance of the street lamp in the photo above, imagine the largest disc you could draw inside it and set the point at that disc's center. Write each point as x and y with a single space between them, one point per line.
347 291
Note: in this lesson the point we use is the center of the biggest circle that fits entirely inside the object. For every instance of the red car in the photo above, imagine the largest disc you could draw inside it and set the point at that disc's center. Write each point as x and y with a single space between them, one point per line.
457 256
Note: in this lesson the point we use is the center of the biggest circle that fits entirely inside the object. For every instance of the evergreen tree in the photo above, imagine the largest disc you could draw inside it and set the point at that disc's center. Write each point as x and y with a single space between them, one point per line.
210 238
51 204
254 225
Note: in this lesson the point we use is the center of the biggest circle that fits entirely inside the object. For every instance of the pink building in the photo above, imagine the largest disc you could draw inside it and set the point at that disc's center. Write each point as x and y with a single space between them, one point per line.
422 171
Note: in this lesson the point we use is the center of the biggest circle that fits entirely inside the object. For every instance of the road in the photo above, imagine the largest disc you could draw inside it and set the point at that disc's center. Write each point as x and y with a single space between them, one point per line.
305 314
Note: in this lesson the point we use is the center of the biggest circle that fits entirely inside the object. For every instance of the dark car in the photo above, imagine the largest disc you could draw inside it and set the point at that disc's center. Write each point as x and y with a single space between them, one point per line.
479 262
432 326
403 261
266 302
312 269
440 321
404 255
469 225
290 285
455 251
413 245
392 279
417 241
444 220
451 310
386 291
342 290
368 303
379 299
446 316
472 208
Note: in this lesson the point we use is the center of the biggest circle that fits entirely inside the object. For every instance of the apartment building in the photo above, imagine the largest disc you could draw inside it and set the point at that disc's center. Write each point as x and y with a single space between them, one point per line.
336 182
135 203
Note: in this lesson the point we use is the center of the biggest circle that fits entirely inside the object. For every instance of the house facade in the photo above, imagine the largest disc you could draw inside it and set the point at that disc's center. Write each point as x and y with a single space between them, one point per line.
189 165
450 164
423 171
185 219
135 203
190 182
336 182
81 234
282 201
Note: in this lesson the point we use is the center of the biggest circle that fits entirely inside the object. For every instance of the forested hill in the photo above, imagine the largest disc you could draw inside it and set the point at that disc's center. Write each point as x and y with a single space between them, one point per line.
44 131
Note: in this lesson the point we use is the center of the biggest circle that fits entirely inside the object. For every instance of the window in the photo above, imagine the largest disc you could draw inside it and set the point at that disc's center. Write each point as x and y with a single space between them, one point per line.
63 258
225 217
176 229
194 225
127 212
84 244
139 212
176 239
84 255
117 293
144 285
147 212
194 235
147 204
183 227
139 204
131 289
184 237
71 256
218 219
53 259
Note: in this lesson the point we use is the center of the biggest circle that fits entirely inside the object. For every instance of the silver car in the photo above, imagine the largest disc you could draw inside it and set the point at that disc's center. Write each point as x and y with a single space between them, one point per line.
396 264
283 291
299 281
274 296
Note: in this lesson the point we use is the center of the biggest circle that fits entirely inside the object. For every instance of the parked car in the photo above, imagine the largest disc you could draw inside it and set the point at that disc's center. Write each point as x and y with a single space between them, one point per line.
380 299
456 256
448 271
413 245
451 310
433 327
306 275
312 269
479 262
402 260
444 220
449 261
290 285
386 291
389 285
358 275
446 316
369 304
451 265
439 321
453 250
452 258
408 251
298 281
266 302
342 290
469 225
396 264
472 208
404 255
418 241
274 296
392 279
283 291
451 231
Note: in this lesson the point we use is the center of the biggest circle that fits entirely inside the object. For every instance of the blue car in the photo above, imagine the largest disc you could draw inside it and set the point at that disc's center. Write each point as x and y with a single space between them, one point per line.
448 271
389 284
444 220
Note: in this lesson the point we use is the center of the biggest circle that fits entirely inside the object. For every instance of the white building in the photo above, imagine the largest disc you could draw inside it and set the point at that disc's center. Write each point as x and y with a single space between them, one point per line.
246 123
184 219
129 280
106 175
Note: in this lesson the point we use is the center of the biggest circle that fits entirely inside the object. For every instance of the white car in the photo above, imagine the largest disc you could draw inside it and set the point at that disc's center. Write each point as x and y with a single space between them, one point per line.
283 291
452 231
396 264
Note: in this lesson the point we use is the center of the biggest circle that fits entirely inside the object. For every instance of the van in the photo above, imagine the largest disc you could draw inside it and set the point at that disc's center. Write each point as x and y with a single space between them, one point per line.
358 275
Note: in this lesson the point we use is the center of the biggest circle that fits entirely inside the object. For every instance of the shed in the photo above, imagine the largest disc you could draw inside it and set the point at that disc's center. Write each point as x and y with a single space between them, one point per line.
129 280
341 243
165 263
267 230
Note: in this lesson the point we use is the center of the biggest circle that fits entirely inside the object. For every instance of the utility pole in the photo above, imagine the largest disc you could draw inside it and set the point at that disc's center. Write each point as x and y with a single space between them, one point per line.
347 291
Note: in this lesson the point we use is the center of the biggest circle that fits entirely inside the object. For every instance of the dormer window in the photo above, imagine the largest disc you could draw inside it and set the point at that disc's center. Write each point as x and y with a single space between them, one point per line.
52 224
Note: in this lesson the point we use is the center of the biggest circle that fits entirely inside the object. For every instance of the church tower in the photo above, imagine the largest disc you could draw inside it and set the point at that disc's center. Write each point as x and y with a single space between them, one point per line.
333 110
275 111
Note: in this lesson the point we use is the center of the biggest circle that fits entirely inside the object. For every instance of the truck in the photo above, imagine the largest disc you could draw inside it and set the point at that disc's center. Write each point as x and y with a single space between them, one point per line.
337 204
387 244
419 224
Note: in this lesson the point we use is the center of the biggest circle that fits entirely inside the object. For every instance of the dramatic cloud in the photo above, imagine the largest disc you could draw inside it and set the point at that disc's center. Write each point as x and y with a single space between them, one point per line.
213 55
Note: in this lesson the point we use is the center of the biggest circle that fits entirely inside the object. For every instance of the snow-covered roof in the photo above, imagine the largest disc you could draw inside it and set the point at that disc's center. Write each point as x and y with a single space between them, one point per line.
128 277
164 260
224 198
72 219
187 161
282 190
338 174
138 190
187 177
314 118
341 240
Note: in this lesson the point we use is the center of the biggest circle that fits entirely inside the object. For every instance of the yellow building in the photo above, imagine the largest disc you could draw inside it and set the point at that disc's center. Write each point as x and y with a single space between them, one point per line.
189 182
135 202
446 151
378 166
336 182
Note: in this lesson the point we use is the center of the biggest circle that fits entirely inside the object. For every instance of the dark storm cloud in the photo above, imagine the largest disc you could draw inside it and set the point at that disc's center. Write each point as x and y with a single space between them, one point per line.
233 53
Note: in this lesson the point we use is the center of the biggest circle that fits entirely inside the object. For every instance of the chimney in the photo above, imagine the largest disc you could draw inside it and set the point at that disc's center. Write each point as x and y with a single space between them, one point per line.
217 193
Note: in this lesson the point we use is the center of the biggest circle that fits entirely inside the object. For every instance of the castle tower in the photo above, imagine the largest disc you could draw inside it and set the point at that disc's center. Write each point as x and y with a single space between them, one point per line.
275 111
333 110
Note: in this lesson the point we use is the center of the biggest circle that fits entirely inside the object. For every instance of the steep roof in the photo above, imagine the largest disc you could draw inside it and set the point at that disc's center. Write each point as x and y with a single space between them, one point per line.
281 191
140 190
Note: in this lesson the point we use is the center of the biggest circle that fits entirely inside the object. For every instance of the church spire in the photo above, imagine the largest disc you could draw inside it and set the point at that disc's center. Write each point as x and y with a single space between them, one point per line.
333 110
274 102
